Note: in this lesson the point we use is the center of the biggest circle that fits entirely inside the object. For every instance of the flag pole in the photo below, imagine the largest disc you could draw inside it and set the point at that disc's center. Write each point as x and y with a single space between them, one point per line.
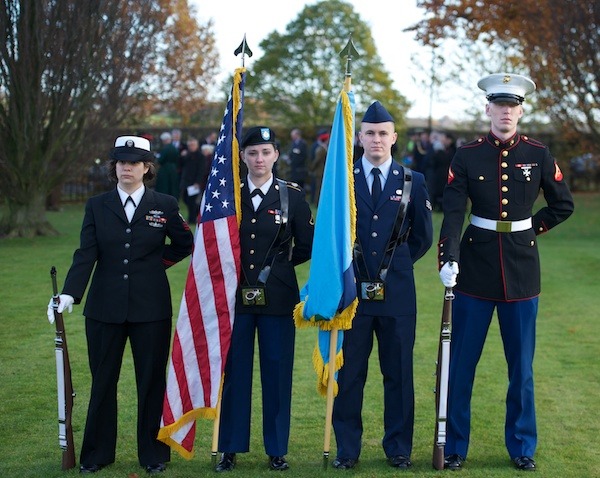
244 50
348 52
215 438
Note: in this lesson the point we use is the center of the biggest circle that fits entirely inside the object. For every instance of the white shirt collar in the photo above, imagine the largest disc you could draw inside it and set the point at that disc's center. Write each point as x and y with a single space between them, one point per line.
264 188
135 195
383 167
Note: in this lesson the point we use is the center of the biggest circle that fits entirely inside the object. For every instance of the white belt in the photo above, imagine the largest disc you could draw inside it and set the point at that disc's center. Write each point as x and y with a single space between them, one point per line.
501 226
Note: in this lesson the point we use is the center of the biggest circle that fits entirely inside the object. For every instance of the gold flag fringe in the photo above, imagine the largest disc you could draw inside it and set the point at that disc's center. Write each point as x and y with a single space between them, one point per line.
341 321
322 371
164 434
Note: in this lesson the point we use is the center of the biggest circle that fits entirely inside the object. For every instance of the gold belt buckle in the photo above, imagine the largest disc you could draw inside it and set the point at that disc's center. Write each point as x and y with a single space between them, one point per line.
503 226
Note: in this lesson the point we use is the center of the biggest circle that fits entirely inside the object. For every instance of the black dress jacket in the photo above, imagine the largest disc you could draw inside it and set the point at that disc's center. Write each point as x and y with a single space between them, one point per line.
266 241
502 180
129 281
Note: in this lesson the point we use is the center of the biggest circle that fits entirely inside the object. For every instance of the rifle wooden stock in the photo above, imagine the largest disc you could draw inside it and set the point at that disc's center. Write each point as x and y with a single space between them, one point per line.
64 384
441 382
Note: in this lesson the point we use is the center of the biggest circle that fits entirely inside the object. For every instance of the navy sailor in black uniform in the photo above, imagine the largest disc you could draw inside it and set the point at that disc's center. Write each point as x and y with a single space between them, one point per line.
276 234
496 263
123 243
394 230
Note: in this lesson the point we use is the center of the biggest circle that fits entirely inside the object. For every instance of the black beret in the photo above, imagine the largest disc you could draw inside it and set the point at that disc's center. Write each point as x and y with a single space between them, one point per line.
259 135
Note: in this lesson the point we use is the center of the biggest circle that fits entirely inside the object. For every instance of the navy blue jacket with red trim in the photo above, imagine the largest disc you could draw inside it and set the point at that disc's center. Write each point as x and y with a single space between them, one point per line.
502 180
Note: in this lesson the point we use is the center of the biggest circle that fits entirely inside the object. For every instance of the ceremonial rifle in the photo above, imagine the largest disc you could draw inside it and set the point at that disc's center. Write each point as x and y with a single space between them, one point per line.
64 383
441 381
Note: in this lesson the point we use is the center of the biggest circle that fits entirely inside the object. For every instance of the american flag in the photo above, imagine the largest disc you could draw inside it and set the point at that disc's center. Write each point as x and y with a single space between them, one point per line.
203 331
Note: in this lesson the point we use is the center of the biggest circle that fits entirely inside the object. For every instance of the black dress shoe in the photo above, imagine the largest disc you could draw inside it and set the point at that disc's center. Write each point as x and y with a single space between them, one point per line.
344 463
453 462
90 468
399 461
525 463
278 463
156 468
227 462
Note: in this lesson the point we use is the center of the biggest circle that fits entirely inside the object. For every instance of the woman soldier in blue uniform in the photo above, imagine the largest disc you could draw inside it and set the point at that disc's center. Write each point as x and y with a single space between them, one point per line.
275 235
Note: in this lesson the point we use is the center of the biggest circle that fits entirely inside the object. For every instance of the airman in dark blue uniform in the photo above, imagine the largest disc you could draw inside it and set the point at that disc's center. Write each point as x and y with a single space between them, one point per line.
495 265
394 230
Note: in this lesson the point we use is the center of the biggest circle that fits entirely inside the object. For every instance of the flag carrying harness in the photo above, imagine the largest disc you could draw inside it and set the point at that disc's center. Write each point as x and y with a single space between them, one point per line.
256 294
374 288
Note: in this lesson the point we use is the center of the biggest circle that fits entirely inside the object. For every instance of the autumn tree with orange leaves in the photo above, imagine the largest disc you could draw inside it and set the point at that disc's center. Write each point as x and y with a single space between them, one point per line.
69 68
555 42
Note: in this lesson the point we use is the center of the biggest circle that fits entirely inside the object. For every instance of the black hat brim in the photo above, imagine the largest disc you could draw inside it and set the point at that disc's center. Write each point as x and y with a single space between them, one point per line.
505 98
130 154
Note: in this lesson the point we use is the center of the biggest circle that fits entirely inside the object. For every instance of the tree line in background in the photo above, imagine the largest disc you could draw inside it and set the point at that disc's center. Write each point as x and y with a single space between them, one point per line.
555 42
71 68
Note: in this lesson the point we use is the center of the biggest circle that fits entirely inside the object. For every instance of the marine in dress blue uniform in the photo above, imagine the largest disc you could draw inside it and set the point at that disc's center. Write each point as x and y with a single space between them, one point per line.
393 319
497 261
276 234
129 298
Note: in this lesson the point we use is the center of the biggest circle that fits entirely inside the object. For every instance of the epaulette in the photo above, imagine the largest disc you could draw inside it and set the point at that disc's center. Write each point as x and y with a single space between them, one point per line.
477 142
533 142
293 185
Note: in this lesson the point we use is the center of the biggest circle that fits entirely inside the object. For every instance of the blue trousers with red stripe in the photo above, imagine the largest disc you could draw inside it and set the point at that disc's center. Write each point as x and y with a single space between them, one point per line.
471 318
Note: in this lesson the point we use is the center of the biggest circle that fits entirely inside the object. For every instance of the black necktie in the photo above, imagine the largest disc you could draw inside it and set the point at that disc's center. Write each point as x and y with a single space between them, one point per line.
129 198
376 188
257 192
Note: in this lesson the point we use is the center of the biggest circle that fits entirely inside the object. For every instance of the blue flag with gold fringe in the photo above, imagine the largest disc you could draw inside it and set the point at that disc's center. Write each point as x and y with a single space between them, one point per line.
329 300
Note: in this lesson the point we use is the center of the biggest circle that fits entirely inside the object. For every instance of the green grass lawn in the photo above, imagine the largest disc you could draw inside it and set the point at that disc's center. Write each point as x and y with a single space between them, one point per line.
566 368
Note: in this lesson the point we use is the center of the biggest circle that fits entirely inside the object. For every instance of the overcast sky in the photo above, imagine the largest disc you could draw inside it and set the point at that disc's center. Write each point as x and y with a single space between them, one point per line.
233 18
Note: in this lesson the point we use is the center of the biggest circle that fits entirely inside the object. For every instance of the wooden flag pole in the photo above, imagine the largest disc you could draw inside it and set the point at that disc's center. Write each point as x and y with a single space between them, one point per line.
348 52
244 50
214 449
330 395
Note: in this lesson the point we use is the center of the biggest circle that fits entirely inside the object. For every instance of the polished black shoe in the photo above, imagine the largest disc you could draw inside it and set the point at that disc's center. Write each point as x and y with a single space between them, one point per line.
156 468
90 468
525 463
453 462
400 461
278 463
227 462
344 463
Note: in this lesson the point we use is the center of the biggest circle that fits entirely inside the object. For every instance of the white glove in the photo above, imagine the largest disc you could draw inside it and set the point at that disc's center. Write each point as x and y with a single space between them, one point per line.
448 274
65 301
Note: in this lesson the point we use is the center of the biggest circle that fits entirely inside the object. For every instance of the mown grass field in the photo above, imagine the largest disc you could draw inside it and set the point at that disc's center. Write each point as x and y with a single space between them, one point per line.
566 368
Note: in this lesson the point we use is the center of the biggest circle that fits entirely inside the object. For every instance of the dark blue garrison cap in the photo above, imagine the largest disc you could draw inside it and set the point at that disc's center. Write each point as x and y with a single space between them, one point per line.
376 113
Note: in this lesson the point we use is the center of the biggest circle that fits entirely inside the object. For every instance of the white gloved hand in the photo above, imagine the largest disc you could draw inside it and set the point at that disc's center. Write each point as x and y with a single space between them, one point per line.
65 301
448 274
